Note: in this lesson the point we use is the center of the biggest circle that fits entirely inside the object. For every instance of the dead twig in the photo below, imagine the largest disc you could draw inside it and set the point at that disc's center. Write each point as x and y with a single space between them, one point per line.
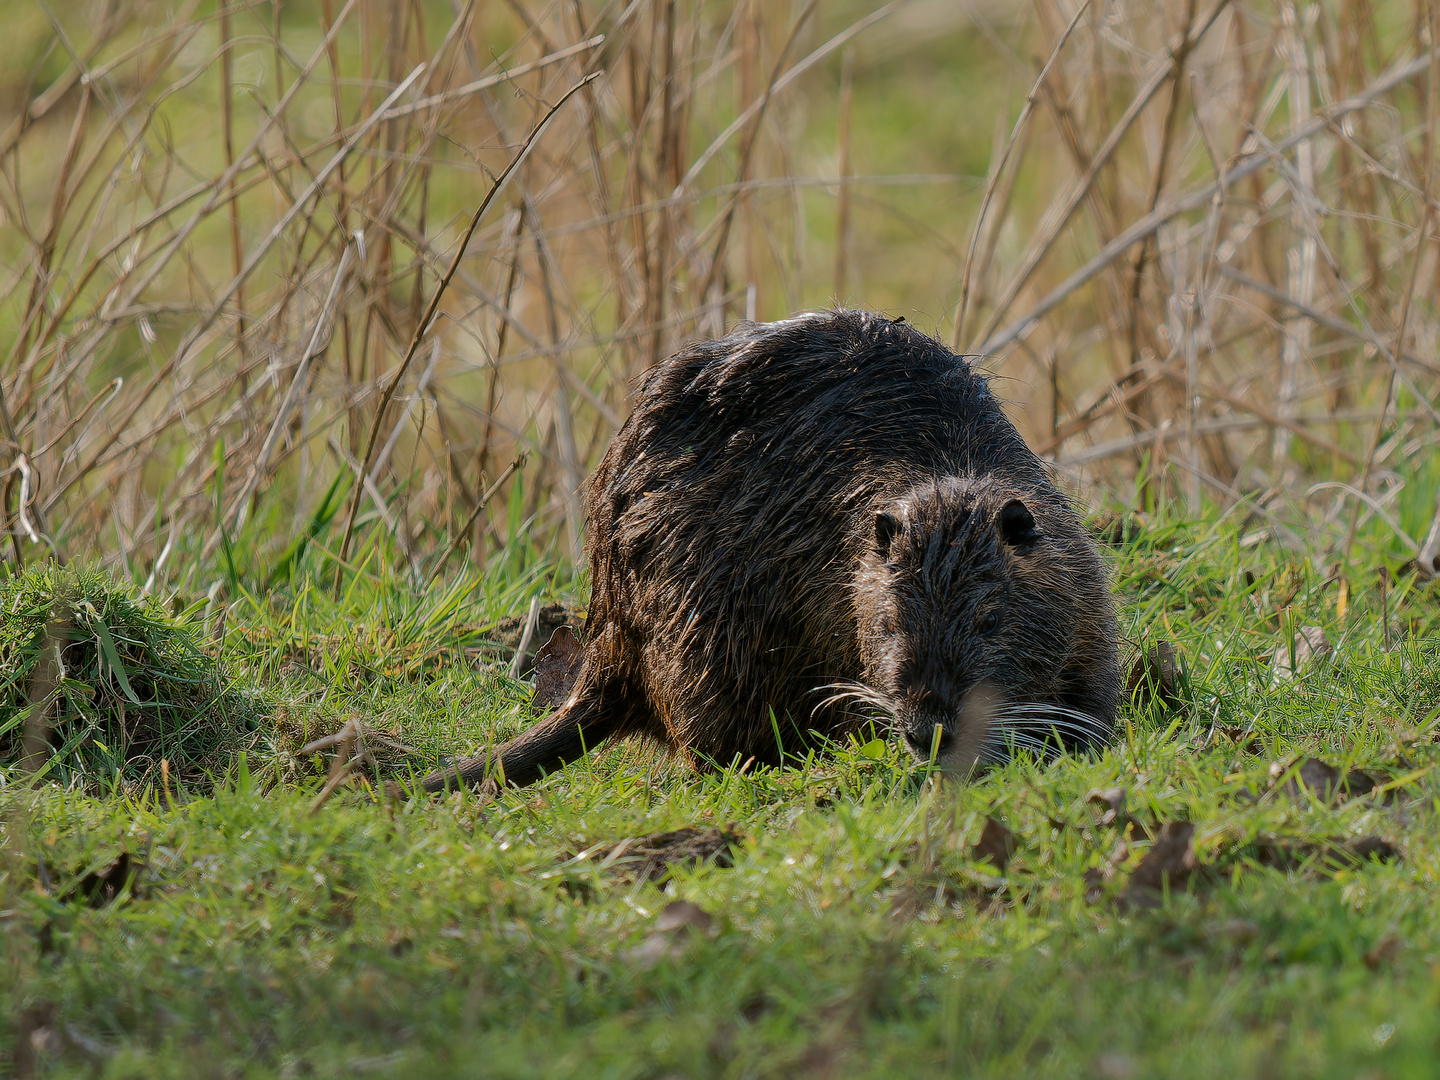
480 504
1194 199
350 755
424 324
996 170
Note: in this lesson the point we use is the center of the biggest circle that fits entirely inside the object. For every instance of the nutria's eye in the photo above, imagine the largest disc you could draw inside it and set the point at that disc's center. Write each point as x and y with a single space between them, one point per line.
988 624
887 527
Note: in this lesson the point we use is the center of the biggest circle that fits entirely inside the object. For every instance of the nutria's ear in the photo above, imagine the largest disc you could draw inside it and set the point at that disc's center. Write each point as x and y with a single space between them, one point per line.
887 526
1017 525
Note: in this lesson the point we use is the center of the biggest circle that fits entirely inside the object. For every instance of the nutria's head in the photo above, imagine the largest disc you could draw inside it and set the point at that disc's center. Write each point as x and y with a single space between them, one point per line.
972 601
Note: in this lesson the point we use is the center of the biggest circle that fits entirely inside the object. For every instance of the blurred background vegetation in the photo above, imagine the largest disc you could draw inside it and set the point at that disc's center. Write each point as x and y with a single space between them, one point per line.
1192 239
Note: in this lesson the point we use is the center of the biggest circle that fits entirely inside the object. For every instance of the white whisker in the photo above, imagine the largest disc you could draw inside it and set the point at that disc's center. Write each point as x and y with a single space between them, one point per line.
883 707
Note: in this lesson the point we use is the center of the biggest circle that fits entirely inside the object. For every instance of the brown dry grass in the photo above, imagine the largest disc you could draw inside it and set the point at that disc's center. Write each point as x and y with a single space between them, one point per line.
1204 267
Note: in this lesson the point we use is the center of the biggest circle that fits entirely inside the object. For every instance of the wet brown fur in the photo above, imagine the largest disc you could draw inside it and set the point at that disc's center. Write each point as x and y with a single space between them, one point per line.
811 523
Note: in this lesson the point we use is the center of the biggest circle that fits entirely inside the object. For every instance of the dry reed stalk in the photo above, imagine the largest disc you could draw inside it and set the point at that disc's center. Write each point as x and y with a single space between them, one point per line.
1300 260
562 418
997 169
227 126
726 217
1194 199
440 288
43 692
1421 240
480 503
318 341
842 171
195 335
1060 213
170 293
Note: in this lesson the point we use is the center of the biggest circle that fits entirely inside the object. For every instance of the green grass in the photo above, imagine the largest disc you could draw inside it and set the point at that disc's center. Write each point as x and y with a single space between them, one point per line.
856 934
132 687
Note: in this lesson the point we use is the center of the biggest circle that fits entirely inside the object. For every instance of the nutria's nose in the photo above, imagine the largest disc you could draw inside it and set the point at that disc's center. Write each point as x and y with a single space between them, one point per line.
922 738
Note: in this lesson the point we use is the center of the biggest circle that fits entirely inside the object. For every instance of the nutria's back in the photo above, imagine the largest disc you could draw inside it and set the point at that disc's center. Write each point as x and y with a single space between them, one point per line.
808 523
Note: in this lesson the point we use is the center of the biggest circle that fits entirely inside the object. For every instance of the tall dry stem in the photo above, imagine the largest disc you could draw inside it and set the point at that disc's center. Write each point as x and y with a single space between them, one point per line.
1199 251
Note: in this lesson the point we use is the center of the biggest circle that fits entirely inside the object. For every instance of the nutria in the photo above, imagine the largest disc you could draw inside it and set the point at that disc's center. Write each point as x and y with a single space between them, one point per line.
811 524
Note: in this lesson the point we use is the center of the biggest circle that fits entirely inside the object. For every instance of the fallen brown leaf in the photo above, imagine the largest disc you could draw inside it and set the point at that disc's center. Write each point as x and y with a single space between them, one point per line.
547 618
651 857
35 1036
1284 853
101 887
1238 932
508 631
1246 742
1384 952
1113 801
996 843
557 665
1168 864
1310 645
1323 781
1155 676
680 915
673 930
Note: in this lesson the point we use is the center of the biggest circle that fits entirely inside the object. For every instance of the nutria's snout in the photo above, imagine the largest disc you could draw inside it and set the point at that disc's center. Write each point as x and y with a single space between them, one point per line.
928 737
957 742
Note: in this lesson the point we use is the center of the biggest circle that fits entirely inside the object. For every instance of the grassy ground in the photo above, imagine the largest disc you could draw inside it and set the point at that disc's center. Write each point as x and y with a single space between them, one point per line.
1210 896
864 924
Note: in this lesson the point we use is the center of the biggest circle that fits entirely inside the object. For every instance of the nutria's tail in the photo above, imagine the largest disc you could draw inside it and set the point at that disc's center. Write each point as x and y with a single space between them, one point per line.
577 726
